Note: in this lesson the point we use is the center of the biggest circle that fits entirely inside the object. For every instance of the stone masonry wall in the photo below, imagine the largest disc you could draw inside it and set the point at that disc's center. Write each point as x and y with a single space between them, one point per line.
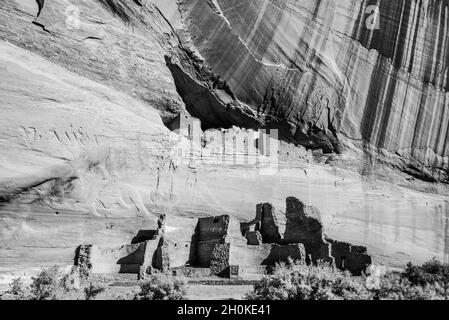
210 232
350 257
303 226
82 260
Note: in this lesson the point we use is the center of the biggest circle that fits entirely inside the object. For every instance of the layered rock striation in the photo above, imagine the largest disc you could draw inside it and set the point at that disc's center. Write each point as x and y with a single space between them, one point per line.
370 74
87 89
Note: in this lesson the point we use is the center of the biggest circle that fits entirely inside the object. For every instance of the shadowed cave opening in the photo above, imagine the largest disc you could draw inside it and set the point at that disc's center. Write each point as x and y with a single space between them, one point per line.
202 104
213 103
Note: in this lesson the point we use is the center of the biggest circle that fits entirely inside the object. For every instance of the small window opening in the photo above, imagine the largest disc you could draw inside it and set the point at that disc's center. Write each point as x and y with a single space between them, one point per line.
189 131
343 262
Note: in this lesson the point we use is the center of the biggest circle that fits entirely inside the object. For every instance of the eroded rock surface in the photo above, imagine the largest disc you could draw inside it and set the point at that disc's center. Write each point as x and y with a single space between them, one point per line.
320 73
303 226
86 88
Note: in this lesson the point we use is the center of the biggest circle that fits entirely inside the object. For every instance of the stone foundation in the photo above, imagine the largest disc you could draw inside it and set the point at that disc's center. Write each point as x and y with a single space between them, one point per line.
227 247
303 226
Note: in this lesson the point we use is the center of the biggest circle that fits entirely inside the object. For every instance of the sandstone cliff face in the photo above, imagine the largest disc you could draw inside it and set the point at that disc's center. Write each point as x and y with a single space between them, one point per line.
117 43
86 157
320 73
79 113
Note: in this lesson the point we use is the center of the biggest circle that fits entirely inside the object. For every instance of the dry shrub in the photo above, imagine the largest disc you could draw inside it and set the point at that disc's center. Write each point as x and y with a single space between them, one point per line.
296 280
162 287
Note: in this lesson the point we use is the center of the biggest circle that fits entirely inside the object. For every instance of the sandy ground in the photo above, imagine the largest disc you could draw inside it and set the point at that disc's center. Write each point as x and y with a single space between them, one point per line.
194 292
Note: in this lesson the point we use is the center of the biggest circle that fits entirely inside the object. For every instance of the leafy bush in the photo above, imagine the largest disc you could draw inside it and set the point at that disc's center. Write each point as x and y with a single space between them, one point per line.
47 284
50 284
396 286
18 290
162 287
429 273
93 290
299 281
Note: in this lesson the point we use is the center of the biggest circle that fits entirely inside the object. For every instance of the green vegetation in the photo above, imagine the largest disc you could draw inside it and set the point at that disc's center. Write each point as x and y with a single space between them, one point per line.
299 281
93 290
430 272
162 287
293 280
51 284
47 285
17 289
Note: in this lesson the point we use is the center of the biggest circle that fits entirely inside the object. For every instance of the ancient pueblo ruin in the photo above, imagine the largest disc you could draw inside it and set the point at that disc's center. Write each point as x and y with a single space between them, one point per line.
211 140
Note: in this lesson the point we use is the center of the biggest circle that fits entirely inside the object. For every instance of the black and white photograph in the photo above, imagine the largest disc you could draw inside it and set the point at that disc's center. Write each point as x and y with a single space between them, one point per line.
242 151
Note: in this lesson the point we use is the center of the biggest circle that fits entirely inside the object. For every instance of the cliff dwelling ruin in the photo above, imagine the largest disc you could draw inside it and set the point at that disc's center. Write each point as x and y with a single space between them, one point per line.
115 111
234 145
225 247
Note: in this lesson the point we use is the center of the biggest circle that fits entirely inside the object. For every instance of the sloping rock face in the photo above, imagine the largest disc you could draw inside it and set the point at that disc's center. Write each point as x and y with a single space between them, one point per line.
329 73
78 84
87 86
120 44
83 97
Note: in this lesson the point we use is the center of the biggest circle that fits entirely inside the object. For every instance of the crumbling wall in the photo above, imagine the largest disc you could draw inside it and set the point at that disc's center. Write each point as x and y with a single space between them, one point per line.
281 253
83 261
227 246
217 240
248 146
239 146
130 258
187 126
149 250
350 257
213 228
210 232
179 250
254 238
269 227
304 228
231 146
161 258
144 235
303 223
219 261
204 252
291 153
250 255
266 224
126 259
